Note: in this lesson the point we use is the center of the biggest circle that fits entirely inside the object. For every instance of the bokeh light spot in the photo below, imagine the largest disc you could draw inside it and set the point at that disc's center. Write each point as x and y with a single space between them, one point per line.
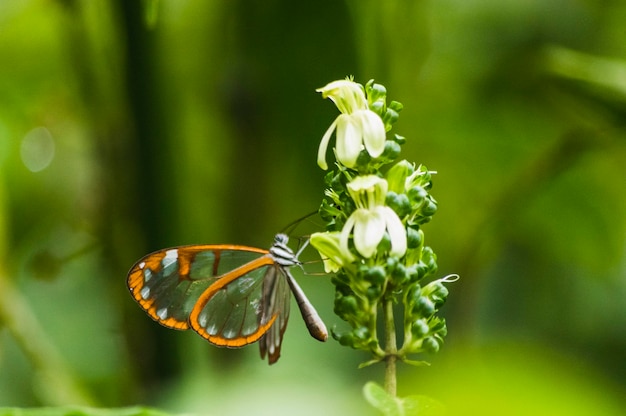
37 150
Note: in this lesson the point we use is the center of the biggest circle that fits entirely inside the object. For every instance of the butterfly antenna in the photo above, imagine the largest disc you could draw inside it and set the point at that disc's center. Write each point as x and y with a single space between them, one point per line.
292 226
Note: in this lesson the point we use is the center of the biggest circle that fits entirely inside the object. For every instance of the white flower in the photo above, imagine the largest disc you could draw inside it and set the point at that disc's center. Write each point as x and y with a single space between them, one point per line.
372 218
357 126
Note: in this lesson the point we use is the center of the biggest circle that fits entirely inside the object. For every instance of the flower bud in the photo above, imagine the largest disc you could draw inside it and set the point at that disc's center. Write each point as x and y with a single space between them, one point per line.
373 292
430 260
392 150
378 107
361 333
346 305
396 106
390 117
413 272
376 93
375 275
417 195
429 209
363 159
430 345
414 238
424 307
345 339
399 139
399 274
420 328
399 203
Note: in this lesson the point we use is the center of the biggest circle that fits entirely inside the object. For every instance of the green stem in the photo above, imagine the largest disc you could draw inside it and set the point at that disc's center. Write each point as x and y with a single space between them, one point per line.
391 348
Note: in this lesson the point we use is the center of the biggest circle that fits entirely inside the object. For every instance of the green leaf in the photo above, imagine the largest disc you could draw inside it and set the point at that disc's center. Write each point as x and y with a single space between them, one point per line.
370 362
380 399
416 363
415 405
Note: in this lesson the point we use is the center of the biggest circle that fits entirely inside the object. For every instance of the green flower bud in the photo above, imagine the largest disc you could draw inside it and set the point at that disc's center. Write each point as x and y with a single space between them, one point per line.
346 305
429 209
417 195
390 117
399 203
392 150
399 139
361 333
430 259
420 328
399 274
424 307
346 339
414 238
375 93
363 159
392 262
421 269
376 275
396 106
413 272
438 327
378 107
430 345
373 292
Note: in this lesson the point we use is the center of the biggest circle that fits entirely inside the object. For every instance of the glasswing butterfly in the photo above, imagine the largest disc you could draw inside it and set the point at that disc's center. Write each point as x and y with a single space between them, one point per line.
230 295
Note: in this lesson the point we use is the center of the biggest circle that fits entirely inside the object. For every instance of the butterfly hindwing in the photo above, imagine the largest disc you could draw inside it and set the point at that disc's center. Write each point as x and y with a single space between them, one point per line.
231 312
277 299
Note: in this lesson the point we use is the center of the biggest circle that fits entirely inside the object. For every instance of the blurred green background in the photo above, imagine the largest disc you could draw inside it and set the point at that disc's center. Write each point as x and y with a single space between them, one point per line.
128 126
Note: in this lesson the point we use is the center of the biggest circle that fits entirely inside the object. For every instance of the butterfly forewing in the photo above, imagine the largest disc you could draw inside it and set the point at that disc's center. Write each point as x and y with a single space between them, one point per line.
168 283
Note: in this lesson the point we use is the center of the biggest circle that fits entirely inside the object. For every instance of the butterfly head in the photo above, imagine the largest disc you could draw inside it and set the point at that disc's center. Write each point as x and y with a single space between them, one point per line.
281 253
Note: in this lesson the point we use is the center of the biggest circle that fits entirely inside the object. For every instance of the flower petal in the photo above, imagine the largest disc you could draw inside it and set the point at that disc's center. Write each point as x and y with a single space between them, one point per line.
321 153
373 129
396 231
369 229
347 95
349 140
345 235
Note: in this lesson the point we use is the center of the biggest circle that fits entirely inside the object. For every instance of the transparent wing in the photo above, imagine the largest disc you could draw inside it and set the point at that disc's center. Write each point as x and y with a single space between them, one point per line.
276 299
233 312
168 283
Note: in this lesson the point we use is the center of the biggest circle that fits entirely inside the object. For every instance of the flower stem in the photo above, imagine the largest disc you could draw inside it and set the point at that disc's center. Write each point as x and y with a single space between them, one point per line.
391 348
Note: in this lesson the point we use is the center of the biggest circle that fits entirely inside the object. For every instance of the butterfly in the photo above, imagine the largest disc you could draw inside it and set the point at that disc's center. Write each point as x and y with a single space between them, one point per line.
231 295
